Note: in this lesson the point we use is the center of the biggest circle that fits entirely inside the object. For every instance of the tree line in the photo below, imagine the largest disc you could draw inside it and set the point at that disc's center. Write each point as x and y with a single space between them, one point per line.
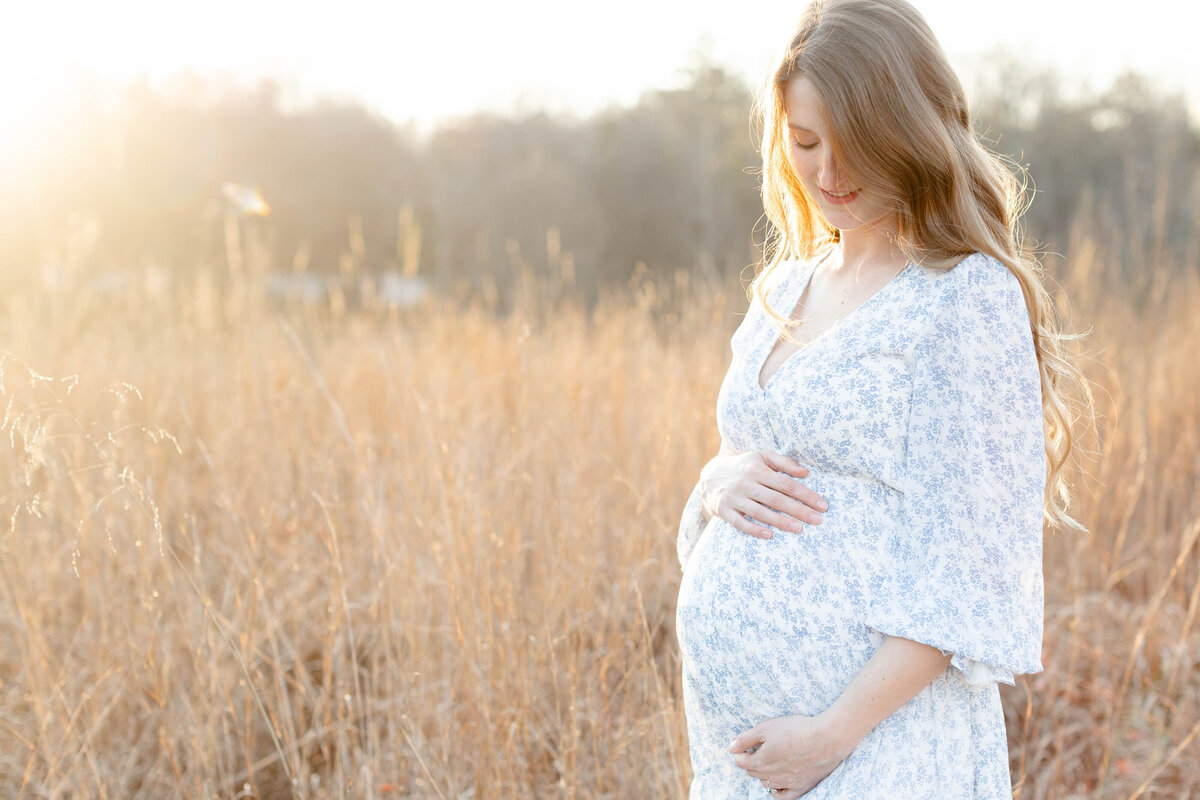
666 185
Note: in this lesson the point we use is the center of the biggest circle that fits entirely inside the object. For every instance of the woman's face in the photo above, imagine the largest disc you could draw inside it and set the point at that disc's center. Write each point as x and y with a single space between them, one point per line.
844 202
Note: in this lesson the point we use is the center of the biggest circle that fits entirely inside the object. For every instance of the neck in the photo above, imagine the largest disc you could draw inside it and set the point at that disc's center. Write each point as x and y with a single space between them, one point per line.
869 247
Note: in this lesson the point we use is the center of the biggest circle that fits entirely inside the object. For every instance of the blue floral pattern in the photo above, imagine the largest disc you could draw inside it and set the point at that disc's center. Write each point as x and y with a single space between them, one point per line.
919 416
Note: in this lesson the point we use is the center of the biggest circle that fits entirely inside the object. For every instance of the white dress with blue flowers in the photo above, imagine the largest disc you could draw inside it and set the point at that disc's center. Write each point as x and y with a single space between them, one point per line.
919 417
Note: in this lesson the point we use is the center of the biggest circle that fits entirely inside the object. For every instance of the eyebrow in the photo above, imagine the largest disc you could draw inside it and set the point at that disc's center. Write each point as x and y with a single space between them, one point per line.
799 128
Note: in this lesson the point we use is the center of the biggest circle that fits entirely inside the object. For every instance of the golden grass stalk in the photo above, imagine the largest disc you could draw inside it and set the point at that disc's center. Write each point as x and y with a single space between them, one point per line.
430 553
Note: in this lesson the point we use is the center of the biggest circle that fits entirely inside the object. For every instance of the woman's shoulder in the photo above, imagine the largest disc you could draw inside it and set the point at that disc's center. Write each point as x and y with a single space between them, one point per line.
962 266
960 302
976 276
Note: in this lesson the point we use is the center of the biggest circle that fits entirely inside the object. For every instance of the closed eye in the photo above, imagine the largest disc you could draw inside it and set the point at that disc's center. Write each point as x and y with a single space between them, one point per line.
804 146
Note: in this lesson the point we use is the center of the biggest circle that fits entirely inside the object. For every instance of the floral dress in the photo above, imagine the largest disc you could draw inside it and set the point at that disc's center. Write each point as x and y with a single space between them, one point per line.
919 417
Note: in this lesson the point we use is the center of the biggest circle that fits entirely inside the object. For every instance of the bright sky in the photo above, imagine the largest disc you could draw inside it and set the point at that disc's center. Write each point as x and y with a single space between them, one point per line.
433 60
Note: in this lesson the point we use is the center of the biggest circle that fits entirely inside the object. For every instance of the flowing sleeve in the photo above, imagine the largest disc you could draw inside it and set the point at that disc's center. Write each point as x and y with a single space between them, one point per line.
963 570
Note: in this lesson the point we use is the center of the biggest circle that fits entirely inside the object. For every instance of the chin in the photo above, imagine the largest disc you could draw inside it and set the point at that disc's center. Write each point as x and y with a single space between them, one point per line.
844 222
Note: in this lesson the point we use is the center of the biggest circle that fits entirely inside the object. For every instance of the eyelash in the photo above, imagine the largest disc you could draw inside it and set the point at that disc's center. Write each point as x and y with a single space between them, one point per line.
804 146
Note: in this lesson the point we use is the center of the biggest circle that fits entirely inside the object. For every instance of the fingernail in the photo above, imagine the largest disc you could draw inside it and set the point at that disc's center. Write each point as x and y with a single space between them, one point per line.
815 519
823 505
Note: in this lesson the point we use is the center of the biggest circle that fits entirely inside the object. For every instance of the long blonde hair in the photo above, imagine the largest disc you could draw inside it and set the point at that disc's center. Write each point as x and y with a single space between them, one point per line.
901 119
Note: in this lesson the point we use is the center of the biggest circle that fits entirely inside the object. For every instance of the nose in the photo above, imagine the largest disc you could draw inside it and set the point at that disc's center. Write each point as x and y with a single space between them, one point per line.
828 172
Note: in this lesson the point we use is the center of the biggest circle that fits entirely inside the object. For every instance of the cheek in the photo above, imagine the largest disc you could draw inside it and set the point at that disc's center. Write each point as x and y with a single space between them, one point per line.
801 164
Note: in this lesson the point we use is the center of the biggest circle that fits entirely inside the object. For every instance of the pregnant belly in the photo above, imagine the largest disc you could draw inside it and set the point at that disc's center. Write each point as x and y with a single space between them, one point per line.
771 627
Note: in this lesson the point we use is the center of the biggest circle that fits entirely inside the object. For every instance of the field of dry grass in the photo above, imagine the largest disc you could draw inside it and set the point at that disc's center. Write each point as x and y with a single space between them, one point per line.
430 553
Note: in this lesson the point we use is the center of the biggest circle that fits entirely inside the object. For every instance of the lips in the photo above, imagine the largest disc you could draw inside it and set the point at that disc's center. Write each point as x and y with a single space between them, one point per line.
840 198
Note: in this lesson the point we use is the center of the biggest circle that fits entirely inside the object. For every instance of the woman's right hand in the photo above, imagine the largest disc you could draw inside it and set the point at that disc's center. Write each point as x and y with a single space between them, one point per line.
759 484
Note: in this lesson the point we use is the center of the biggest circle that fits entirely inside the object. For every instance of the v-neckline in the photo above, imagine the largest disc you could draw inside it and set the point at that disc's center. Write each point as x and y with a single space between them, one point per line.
791 301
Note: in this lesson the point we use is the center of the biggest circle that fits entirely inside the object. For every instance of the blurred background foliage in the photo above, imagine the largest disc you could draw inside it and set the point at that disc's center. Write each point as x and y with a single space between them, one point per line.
475 205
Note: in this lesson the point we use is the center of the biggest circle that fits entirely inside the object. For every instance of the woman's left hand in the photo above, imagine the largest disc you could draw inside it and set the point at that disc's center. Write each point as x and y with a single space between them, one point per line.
791 754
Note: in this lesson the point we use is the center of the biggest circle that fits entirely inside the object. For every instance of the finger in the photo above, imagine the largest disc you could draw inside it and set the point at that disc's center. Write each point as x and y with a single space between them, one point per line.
770 516
779 479
788 794
796 489
737 515
782 463
746 761
738 520
745 740
782 511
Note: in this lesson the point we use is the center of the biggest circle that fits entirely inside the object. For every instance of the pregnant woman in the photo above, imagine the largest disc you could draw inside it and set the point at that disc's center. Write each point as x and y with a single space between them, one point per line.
862 562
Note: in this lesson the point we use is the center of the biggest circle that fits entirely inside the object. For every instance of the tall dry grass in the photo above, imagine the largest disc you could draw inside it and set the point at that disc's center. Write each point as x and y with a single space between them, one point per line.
255 552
